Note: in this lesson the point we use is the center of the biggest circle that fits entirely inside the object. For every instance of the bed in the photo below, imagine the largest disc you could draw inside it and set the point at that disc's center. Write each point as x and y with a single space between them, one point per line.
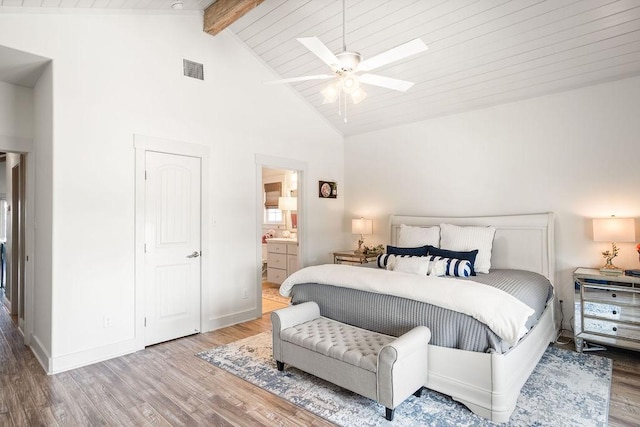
487 381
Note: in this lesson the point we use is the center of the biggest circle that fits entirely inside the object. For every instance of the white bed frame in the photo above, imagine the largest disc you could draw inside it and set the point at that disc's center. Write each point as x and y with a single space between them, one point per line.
487 383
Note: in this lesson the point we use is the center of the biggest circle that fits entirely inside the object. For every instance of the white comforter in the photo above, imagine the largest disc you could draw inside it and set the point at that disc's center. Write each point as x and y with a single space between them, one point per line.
503 313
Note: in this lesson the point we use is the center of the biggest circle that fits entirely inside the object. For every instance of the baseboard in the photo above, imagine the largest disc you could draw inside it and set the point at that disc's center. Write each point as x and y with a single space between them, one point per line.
55 365
231 319
94 355
42 355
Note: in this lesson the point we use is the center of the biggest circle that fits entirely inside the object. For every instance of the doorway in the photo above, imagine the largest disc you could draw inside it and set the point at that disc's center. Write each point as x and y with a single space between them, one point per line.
13 235
279 243
178 172
17 240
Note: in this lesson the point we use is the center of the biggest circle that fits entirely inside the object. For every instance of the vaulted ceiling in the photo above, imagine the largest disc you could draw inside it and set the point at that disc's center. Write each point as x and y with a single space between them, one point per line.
481 52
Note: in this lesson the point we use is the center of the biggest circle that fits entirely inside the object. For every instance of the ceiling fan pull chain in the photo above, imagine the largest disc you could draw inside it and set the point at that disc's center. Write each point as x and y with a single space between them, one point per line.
345 108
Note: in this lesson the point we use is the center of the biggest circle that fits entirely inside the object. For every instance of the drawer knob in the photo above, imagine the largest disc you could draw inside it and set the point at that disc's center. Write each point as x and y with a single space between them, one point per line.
615 329
613 295
615 312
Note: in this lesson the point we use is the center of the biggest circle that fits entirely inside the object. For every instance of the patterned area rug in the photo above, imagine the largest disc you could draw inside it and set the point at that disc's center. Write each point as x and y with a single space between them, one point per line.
565 389
272 292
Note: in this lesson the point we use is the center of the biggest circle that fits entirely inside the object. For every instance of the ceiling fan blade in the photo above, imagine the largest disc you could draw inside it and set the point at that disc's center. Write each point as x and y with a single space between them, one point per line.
320 50
301 79
395 54
386 82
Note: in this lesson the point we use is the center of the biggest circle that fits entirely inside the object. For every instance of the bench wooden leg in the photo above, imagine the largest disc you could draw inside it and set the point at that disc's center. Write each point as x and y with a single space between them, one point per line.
389 413
280 365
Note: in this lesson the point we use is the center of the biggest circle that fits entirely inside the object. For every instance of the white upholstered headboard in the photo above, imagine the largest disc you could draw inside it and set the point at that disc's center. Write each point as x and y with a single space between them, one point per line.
523 242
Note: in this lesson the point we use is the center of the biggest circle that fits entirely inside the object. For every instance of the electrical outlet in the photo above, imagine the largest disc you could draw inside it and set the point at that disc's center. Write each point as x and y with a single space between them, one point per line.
107 321
245 293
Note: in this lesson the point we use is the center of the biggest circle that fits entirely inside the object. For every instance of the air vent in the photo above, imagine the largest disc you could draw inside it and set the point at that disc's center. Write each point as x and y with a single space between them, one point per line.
193 69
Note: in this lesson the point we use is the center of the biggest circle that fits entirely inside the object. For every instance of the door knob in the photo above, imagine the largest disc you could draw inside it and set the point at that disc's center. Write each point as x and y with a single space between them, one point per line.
195 254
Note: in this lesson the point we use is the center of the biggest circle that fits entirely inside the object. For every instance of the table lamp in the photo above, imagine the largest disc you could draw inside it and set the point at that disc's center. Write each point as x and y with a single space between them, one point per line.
361 226
613 230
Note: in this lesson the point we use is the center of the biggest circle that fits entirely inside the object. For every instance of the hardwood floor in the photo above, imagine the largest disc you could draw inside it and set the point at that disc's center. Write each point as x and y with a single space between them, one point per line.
167 385
271 300
162 385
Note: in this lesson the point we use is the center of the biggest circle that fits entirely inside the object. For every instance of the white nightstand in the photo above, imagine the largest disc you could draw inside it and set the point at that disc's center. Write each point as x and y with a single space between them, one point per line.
607 309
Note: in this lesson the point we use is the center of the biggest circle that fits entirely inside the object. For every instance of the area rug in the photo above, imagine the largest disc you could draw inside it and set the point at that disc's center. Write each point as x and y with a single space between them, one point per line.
272 292
565 389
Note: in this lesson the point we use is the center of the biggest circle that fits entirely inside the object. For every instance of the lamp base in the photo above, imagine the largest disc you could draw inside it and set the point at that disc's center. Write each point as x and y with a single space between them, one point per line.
360 242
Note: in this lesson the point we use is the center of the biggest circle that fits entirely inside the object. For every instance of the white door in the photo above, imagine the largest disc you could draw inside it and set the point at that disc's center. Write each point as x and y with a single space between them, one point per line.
172 246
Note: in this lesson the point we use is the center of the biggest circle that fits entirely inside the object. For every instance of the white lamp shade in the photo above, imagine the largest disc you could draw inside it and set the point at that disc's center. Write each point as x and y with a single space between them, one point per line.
358 95
288 203
361 226
614 230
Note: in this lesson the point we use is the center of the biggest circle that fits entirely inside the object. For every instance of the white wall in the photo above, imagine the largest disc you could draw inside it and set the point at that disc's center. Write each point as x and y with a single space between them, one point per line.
572 153
16 110
116 75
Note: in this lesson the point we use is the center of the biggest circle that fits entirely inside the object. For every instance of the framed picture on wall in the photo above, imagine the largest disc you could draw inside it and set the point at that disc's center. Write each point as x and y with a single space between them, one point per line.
327 189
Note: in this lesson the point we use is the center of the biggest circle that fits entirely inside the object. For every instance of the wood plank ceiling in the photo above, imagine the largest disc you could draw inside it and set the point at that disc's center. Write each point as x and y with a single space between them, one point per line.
481 52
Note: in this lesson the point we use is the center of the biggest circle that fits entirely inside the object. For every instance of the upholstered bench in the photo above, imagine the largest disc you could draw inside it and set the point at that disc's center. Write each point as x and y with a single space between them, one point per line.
383 368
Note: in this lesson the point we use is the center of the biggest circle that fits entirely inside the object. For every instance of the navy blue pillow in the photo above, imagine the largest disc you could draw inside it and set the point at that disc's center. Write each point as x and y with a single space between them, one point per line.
470 256
421 251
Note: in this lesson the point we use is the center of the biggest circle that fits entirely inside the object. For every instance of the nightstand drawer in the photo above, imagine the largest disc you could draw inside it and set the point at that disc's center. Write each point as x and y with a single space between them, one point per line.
277 261
613 312
610 296
613 329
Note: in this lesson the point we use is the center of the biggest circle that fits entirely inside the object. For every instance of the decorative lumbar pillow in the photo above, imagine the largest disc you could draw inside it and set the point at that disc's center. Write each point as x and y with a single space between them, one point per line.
419 251
452 266
410 236
413 265
470 255
388 261
438 268
456 238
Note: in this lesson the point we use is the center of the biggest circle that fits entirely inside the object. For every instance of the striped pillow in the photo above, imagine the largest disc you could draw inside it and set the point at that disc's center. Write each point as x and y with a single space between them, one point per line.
454 267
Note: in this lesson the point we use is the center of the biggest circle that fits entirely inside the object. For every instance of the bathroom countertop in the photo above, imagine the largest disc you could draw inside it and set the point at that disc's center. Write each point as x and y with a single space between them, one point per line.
282 240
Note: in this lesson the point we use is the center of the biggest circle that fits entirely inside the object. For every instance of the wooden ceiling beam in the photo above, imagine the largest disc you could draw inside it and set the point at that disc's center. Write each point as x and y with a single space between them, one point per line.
223 13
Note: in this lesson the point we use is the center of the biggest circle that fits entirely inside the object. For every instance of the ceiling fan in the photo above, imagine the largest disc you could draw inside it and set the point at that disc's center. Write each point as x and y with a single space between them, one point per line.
346 65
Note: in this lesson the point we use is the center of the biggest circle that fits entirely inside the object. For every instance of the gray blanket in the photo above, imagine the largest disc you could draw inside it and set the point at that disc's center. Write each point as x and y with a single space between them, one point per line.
394 316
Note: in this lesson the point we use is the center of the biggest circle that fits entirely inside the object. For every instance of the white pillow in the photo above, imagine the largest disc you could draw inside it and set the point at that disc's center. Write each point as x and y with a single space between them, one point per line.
457 238
438 267
415 265
413 237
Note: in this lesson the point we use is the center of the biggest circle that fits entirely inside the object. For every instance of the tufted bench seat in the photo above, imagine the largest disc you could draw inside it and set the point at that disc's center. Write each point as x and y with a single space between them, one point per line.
380 367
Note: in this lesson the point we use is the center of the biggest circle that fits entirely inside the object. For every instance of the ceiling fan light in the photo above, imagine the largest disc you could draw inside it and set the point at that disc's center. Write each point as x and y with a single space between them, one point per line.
358 95
330 93
350 83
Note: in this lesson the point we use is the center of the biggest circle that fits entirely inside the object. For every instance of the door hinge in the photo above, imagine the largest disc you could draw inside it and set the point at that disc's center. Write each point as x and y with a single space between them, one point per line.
145 322
145 175
145 248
